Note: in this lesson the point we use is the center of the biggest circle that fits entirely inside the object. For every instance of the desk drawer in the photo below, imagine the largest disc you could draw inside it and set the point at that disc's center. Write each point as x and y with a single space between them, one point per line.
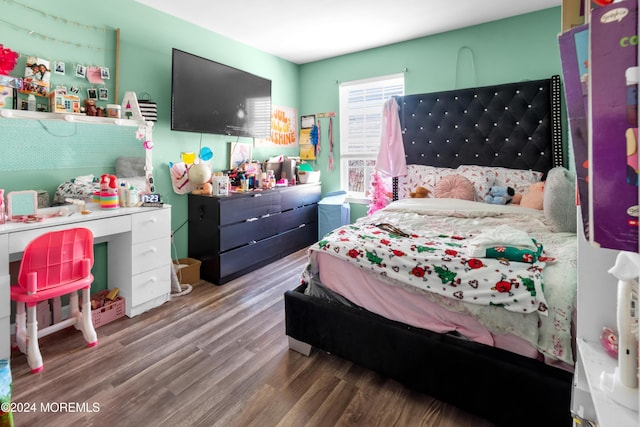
151 284
151 225
5 306
99 227
149 255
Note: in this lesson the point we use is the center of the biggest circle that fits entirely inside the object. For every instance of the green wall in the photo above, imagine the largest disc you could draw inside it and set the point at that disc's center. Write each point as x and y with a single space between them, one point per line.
43 154
521 48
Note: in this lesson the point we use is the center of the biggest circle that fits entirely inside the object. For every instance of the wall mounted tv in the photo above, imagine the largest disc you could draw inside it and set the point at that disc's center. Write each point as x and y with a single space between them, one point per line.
209 97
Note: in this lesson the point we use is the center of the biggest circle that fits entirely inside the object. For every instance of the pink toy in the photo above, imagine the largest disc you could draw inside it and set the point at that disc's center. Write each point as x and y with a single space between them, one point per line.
609 342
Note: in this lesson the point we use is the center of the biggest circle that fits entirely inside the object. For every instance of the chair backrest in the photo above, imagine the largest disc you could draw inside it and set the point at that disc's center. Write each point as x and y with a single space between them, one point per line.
57 257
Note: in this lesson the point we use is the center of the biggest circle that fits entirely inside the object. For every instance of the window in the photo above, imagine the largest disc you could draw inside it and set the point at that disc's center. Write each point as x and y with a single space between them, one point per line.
361 104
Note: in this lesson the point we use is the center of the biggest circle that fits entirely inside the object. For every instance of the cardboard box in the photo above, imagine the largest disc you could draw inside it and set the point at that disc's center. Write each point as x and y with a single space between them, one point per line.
188 270
111 311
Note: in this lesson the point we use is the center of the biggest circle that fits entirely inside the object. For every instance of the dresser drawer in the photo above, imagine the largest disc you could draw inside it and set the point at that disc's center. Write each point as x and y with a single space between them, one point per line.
151 225
300 195
241 258
296 217
150 284
235 235
146 256
238 209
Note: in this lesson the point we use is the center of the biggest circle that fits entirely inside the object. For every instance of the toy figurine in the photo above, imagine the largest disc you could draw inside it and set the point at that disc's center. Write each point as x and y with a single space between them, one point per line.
90 107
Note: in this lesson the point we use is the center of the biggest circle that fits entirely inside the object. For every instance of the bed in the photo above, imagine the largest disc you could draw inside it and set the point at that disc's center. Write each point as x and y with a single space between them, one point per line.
510 362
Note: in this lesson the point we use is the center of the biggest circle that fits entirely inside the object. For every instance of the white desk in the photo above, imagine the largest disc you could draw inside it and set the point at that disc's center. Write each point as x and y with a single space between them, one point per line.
138 251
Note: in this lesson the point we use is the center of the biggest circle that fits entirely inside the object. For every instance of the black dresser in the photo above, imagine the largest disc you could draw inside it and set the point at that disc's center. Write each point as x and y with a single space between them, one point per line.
233 235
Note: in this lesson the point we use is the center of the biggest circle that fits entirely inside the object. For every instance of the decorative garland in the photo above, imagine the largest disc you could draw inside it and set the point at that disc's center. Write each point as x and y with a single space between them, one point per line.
57 18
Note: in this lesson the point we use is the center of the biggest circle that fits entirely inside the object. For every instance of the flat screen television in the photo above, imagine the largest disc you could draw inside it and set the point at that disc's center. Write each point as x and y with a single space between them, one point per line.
210 97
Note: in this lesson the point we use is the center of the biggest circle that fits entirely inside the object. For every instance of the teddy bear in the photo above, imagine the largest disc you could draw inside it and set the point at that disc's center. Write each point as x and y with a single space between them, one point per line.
499 195
420 193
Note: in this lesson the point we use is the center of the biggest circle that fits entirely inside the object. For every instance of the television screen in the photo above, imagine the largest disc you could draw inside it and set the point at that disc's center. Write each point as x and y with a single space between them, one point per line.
209 97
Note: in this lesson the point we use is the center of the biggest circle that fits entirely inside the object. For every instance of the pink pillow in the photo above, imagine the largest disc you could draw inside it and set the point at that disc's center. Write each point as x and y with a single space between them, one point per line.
454 187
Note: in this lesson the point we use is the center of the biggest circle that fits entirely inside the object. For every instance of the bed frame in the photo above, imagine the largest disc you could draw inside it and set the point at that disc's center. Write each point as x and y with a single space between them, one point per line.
513 125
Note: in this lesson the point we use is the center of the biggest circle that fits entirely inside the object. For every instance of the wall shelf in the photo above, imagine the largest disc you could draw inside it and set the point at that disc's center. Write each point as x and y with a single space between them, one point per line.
71 118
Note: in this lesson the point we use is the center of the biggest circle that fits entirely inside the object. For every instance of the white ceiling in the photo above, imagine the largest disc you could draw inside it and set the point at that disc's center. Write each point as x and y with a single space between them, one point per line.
303 31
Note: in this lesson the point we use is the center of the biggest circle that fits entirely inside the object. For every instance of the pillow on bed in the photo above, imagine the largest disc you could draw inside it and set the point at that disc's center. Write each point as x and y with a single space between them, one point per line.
518 179
482 178
559 200
455 187
421 176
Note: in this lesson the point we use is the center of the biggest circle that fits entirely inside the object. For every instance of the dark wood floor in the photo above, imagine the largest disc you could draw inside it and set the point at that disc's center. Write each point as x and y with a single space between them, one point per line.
215 357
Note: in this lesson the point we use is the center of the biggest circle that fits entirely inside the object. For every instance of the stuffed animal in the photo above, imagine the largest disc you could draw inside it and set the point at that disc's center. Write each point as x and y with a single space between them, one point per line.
420 193
534 197
499 195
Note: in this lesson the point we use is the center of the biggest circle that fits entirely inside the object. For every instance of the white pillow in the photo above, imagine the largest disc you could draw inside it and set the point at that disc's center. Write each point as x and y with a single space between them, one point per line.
482 178
421 176
518 179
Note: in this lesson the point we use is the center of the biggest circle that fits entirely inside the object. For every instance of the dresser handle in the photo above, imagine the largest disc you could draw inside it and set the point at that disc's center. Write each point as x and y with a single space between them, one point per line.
252 219
257 195
153 250
302 225
153 219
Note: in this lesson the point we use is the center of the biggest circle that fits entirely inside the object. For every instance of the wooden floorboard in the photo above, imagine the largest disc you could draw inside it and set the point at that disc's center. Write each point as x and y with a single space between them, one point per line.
215 357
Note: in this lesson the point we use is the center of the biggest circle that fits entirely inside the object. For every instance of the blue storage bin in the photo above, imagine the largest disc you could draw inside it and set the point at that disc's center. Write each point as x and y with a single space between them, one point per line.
333 211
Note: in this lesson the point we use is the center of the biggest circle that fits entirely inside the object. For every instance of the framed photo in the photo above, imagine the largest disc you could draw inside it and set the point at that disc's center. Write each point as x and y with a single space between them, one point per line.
307 122
103 93
81 71
92 93
58 67
104 73
239 153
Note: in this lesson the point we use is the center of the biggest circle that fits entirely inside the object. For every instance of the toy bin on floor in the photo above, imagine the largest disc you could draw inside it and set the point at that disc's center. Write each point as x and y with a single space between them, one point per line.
6 417
333 211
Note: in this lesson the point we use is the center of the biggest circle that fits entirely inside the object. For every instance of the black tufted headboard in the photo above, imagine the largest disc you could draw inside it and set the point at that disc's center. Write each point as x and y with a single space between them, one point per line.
515 125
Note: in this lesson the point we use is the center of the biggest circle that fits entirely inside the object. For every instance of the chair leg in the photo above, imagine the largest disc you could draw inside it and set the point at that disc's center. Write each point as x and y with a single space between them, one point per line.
86 322
33 350
21 327
74 311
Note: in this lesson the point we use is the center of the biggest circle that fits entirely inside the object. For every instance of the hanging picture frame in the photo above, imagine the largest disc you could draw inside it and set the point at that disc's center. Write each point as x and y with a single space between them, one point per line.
103 94
239 153
59 67
81 71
